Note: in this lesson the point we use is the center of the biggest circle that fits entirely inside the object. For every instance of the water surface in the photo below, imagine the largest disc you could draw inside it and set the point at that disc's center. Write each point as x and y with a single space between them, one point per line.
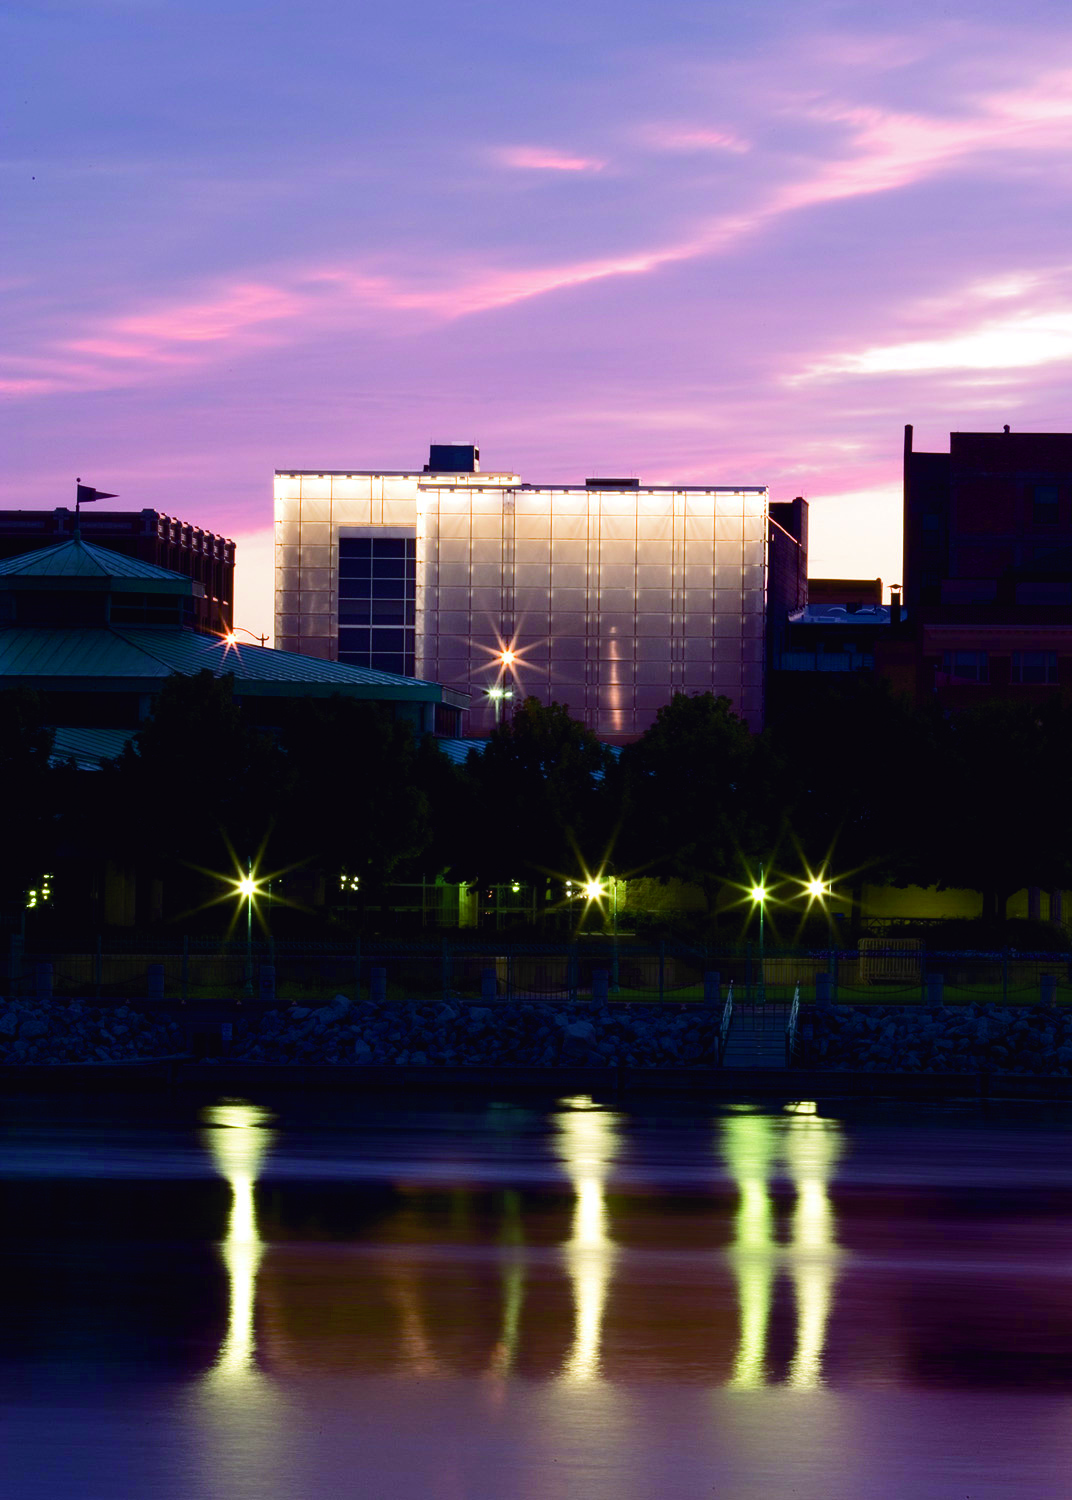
574 1299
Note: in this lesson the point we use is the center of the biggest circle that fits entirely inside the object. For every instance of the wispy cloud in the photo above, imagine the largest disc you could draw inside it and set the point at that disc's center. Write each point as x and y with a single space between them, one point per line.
1014 343
860 150
694 138
546 159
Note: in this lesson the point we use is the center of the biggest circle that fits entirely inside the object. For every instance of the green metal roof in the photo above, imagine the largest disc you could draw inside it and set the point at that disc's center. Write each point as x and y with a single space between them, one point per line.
78 559
137 659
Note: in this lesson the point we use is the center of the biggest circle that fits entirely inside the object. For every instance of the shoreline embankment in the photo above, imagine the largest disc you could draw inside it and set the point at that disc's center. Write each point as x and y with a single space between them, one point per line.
969 1052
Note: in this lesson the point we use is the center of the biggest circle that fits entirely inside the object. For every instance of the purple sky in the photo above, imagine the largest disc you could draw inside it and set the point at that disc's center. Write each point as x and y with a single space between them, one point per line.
703 243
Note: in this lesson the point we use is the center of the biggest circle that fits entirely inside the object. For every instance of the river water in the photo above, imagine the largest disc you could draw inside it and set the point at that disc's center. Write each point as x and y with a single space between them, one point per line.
484 1301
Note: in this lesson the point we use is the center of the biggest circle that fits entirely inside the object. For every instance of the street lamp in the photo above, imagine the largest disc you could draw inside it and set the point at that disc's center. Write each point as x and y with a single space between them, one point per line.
231 637
759 898
247 888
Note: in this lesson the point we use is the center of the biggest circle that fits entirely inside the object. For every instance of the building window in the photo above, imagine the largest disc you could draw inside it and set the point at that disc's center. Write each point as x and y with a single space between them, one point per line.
377 603
1046 508
1034 666
966 666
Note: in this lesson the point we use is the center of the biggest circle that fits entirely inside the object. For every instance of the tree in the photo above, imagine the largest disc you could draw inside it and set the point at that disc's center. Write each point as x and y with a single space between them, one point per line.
694 793
353 800
27 778
999 806
536 801
198 786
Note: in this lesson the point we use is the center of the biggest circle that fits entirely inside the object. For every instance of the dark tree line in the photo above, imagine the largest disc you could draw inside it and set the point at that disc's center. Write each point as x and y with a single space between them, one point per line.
848 781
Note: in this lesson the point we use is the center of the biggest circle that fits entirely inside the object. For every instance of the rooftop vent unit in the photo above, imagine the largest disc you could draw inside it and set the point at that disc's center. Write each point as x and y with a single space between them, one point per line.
453 458
612 484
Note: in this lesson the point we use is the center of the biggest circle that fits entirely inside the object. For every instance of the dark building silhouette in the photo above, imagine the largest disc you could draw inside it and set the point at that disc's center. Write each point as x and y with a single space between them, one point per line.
149 536
787 571
987 568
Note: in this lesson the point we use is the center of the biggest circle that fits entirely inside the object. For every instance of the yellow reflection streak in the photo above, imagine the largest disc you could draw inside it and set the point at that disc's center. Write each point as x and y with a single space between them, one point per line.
587 1144
750 1146
238 1139
812 1147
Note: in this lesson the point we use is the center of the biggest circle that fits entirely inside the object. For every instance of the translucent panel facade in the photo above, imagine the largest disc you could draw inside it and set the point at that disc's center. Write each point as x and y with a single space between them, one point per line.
610 599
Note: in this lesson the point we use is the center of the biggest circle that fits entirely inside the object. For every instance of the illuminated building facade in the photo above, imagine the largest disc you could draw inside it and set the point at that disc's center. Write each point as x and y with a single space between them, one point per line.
608 596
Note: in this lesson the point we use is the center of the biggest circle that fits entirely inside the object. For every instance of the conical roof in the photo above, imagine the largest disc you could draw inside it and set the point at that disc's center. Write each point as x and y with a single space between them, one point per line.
78 559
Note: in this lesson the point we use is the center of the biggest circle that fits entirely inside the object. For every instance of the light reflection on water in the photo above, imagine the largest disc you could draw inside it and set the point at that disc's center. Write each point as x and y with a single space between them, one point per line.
586 1144
572 1303
755 1145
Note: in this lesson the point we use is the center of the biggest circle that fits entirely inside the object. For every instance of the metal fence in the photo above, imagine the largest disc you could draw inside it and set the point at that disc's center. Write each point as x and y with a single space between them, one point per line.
876 972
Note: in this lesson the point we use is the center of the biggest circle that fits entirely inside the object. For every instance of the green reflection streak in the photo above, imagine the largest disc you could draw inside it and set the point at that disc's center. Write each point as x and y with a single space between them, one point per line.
587 1144
754 1146
749 1144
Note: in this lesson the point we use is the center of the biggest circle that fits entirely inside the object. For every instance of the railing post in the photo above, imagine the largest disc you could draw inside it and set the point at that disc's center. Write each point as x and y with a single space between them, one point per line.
155 982
378 984
662 968
571 971
600 986
822 990
1005 976
934 989
489 984
266 982
712 987
444 970
97 965
1048 990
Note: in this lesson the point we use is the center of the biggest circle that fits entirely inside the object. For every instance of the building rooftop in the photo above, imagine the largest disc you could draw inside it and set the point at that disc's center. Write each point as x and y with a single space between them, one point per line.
841 614
144 655
78 559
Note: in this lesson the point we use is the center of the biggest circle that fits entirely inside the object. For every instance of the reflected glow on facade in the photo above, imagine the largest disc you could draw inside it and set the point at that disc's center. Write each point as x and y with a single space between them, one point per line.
587 1144
238 1139
757 1147
608 596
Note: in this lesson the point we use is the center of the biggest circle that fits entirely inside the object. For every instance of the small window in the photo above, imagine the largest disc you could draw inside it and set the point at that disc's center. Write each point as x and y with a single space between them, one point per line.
1034 666
1046 507
966 666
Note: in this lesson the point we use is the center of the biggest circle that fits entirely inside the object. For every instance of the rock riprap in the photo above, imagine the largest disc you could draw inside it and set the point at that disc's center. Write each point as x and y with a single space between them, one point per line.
59 1033
938 1039
516 1033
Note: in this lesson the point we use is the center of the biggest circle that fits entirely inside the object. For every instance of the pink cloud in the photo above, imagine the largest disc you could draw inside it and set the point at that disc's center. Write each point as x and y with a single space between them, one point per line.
542 159
691 138
874 150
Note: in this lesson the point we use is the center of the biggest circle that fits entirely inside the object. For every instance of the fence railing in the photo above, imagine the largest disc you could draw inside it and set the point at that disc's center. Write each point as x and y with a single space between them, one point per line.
167 968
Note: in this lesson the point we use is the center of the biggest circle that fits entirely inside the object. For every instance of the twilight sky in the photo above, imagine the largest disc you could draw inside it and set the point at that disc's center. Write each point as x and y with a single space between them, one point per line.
707 243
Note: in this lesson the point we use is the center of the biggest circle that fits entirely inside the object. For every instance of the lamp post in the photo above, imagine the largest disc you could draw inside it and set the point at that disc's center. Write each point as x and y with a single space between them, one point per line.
232 635
759 896
246 886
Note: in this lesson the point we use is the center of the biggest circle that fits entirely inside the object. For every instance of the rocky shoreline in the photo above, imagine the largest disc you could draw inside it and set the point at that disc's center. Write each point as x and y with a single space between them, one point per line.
1026 1040
1030 1040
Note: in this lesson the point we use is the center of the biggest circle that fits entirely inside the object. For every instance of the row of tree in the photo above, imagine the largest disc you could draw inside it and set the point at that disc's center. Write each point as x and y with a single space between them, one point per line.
852 782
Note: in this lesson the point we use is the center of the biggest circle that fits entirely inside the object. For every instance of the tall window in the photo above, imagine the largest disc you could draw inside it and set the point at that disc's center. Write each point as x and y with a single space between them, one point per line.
377 602
1034 666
